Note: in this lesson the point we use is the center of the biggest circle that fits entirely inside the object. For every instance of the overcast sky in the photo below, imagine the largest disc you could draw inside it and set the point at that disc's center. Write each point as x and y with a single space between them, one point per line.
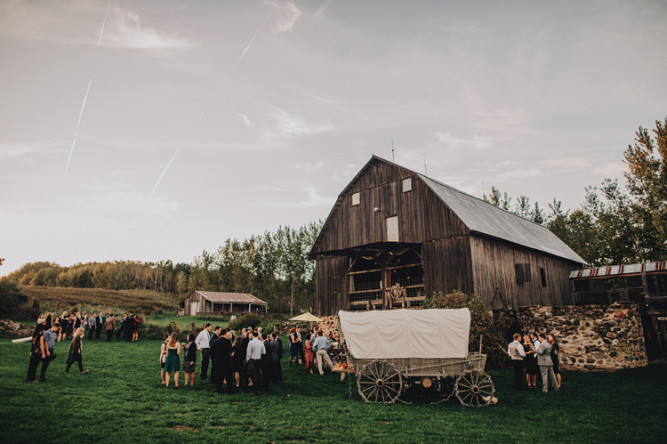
151 130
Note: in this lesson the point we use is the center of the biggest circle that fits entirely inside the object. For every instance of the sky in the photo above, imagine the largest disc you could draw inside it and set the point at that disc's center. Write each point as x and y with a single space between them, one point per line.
156 129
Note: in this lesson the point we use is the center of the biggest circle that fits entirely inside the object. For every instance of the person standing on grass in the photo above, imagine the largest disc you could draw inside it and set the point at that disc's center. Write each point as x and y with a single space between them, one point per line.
214 337
51 336
173 362
92 323
204 347
266 362
309 355
163 355
321 349
530 362
237 360
190 360
546 365
111 326
555 355
254 357
99 321
276 356
38 352
245 373
516 353
221 350
75 347
299 346
291 346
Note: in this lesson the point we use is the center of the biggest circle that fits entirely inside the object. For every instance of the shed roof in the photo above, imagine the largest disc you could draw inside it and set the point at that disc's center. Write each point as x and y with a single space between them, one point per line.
485 218
620 270
233 298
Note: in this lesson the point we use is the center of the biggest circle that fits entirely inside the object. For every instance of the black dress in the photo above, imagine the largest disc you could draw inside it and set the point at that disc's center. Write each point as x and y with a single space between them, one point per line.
555 349
530 362
237 359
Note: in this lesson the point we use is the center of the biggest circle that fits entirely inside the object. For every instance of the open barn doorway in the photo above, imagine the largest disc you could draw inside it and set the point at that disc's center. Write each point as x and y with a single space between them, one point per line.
386 278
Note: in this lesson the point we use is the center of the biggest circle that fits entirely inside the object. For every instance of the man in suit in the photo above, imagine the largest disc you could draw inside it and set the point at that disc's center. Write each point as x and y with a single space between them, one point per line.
99 324
517 354
244 373
221 357
276 356
214 337
546 365
203 345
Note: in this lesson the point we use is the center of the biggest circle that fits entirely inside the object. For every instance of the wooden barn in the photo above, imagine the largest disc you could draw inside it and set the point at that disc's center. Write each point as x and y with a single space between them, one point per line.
205 302
395 236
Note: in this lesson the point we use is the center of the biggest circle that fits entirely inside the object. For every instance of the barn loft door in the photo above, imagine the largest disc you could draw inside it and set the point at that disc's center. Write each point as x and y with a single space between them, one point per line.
387 279
392 229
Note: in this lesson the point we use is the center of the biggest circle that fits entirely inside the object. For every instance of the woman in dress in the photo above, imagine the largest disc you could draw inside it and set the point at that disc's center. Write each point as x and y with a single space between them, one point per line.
38 352
173 361
237 360
309 355
555 352
189 360
292 347
530 363
75 347
163 355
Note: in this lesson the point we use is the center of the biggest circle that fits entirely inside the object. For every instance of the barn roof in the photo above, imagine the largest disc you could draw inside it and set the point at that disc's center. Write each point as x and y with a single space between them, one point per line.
485 218
480 217
234 298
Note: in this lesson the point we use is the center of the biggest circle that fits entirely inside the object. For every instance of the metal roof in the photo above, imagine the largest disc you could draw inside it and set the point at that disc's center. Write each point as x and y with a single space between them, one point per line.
620 270
485 218
231 298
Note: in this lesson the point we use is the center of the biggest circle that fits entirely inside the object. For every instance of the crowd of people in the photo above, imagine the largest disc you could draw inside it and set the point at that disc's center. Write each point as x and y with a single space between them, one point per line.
245 360
72 326
535 353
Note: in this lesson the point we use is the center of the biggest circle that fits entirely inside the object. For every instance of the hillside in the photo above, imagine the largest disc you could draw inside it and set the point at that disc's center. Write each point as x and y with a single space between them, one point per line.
94 299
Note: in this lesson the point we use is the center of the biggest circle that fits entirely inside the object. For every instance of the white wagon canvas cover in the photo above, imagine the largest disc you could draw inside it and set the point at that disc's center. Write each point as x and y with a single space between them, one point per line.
397 334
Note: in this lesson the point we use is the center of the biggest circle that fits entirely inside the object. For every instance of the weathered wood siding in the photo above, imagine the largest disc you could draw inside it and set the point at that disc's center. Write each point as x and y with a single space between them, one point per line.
331 285
187 304
421 215
493 266
447 265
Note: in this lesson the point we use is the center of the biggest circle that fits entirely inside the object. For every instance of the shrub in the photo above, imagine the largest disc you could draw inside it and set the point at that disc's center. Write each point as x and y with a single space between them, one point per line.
246 320
11 298
481 323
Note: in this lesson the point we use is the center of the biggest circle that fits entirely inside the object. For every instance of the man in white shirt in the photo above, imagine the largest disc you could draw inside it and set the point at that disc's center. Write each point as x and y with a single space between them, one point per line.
254 357
203 345
517 353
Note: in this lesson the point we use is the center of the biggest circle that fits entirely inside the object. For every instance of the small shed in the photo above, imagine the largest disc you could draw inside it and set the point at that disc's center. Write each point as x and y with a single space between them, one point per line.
201 302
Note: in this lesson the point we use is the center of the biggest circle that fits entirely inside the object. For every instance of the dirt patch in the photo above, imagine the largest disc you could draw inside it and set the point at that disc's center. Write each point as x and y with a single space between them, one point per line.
184 428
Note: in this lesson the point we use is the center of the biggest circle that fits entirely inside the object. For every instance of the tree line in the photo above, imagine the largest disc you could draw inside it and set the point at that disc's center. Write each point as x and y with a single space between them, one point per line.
273 266
616 223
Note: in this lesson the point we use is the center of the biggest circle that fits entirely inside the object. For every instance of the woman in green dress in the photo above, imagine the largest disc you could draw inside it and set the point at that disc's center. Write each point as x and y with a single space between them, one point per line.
173 362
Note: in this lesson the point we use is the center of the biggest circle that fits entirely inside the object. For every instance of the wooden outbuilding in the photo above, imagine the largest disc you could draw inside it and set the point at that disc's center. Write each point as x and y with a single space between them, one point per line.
205 302
395 236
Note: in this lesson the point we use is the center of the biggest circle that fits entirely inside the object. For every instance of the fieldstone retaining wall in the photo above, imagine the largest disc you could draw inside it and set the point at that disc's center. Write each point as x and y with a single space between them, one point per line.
591 337
11 328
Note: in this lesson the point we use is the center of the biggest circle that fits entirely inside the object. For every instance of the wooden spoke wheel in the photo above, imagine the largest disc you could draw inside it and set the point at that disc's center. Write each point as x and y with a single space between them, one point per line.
474 387
380 382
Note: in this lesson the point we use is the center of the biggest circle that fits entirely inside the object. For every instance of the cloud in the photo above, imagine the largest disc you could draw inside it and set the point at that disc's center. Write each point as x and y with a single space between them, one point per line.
8 151
288 124
477 142
308 166
125 202
244 117
313 200
125 30
285 16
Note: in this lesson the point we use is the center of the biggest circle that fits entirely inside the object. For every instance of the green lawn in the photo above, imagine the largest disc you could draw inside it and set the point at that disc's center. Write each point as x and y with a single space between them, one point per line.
122 400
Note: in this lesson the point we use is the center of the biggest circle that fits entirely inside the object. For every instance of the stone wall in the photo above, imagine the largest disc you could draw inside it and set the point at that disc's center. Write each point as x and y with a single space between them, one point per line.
15 329
592 337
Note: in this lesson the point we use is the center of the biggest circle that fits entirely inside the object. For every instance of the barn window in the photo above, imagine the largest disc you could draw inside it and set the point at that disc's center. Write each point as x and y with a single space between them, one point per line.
356 199
522 273
392 229
543 276
407 184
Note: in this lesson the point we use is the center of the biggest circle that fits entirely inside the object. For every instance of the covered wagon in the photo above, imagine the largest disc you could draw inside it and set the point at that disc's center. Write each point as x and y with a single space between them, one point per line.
392 351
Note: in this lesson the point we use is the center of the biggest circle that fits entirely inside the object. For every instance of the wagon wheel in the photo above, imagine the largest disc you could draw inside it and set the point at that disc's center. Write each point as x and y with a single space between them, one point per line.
474 387
379 381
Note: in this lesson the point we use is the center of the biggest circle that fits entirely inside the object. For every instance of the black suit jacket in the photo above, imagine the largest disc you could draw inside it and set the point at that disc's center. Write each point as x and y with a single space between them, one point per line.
221 350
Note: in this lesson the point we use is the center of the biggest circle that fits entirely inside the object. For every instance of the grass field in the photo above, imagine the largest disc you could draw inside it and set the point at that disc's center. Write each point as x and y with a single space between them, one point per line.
122 400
